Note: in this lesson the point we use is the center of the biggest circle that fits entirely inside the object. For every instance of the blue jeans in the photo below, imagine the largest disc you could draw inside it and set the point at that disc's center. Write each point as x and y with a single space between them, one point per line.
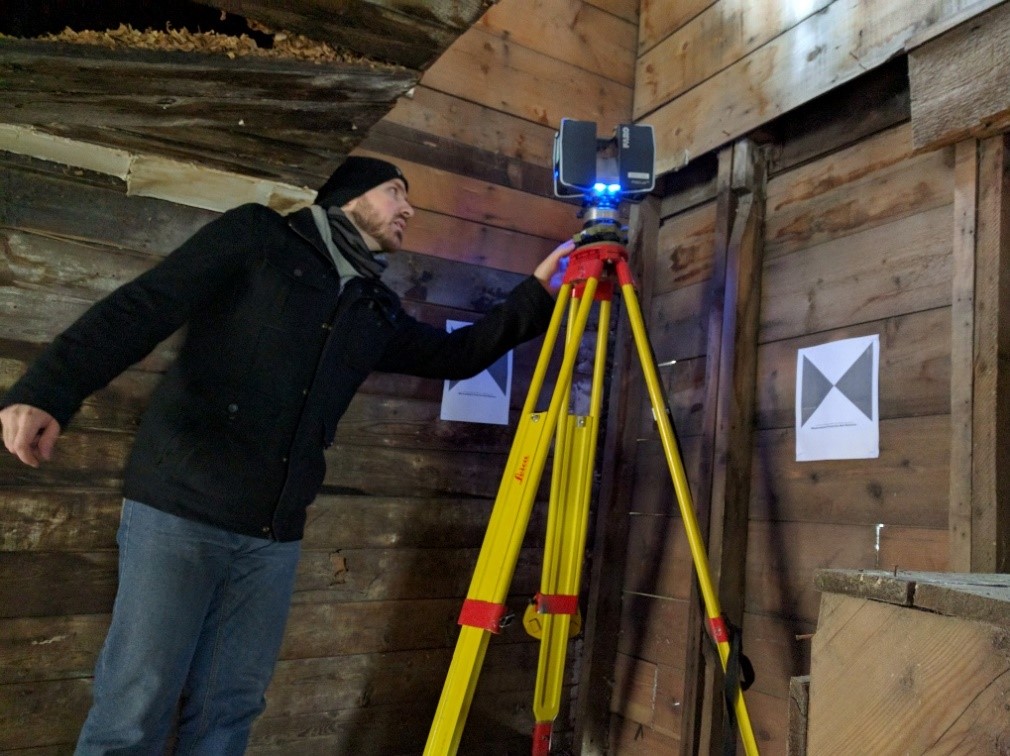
196 629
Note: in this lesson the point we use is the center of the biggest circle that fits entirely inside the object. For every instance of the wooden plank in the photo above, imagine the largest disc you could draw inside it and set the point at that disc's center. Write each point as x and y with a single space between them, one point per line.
789 71
955 80
336 576
990 507
684 381
626 9
443 115
873 102
345 521
634 692
654 629
58 201
26 713
696 184
727 543
58 520
913 548
411 424
301 686
768 715
799 702
454 239
631 738
659 19
378 29
676 326
910 187
980 597
883 677
778 649
915 368
657 496
412 472
37 584
375 627
686 247
848 280
404 143
906 485
688 56
572 31
970 11
783 557
34 649
962 353
846 166
449 194
493 72
667 571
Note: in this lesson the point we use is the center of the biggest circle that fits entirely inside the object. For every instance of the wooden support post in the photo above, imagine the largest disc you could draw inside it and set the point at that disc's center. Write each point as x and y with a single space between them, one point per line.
700 659
610 541
724 491
980 347
980 375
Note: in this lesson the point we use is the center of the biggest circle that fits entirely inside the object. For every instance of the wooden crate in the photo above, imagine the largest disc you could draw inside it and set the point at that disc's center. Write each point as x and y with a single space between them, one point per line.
910 663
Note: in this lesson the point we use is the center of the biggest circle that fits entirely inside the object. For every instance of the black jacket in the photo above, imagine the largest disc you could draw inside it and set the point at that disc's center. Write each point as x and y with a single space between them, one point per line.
235 432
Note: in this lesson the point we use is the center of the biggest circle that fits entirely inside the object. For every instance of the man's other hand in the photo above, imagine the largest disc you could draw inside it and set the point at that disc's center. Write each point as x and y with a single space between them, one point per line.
29 433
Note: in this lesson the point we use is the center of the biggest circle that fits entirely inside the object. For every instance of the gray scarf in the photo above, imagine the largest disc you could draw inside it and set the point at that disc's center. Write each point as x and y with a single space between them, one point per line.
352 257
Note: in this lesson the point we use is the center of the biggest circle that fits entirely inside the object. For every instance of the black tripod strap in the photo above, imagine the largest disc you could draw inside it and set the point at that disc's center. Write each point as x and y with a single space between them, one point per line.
739 676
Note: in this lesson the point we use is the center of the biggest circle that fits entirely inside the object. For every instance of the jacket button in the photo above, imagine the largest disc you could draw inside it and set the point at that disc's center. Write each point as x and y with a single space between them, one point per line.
266 529
233 408
298 272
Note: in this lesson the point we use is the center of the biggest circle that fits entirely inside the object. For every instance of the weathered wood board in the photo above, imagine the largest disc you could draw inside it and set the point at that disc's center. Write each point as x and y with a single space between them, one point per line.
892 678
957 81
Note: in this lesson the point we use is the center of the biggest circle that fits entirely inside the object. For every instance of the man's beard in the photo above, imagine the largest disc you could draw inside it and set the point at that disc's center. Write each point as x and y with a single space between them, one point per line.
368 219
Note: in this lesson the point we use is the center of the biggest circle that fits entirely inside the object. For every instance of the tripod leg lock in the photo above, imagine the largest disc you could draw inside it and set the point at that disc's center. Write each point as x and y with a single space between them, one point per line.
556 603
485 615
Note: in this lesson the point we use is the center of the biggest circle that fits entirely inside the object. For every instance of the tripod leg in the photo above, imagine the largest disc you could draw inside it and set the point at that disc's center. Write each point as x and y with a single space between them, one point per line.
484 607
661 410
567 526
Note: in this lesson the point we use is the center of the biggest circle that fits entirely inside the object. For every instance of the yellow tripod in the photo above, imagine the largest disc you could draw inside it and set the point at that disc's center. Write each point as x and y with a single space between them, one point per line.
599 259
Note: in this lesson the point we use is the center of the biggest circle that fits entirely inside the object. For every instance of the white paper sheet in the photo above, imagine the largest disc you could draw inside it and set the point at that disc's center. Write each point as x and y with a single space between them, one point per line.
836 400
483 398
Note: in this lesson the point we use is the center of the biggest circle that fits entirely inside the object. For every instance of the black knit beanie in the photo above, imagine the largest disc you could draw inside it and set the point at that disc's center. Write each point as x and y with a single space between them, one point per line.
355 176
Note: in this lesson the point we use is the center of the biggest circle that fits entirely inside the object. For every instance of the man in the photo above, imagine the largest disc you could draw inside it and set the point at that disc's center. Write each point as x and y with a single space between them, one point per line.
286 316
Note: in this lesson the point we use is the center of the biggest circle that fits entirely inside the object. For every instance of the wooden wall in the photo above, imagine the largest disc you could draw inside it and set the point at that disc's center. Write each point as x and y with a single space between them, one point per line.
392 540
859 233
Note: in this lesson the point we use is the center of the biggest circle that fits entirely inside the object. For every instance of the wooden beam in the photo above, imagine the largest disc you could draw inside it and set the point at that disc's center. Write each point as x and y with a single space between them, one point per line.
733 336
962 318
958 81
699 663
570 30
980 344
500 74
990 532
722 34
792 69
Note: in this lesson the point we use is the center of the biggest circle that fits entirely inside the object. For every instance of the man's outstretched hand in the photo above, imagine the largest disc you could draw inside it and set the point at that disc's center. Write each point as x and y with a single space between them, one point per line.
29 433
550 270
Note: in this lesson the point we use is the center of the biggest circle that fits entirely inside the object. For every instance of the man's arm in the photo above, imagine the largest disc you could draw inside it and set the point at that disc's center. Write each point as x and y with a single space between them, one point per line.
121 329
423 350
